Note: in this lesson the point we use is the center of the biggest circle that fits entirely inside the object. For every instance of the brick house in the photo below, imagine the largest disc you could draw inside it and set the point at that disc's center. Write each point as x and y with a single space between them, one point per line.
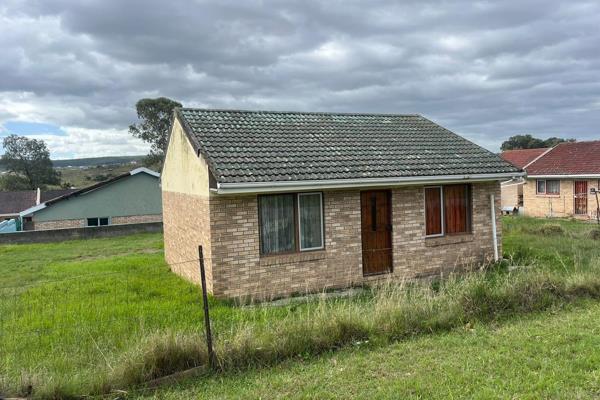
132 197
560 182
512 190
286 202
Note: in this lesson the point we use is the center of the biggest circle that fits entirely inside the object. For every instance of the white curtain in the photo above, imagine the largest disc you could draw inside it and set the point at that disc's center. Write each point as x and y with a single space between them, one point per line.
277 223
311 233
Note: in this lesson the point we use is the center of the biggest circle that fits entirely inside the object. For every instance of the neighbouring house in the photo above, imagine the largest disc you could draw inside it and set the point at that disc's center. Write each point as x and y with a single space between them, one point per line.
132 197
560 182
13 202
512 190
292 202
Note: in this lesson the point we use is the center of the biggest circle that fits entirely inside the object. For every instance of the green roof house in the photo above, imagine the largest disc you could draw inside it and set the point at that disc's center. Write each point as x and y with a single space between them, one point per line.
294 202
132 197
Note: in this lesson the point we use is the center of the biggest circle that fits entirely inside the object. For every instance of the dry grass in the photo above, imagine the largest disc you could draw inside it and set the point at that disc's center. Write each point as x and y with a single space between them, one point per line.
393 312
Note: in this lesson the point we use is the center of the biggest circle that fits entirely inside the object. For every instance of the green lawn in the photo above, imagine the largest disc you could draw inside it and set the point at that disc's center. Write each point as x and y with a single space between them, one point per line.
89 316
551 355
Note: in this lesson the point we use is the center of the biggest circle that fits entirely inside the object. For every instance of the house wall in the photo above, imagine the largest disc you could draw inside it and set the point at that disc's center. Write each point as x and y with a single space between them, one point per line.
185 199
135 196
239 270
561 205
510 194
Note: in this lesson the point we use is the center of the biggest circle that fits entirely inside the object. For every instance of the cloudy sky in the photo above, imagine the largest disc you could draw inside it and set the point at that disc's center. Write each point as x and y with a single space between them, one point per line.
71 71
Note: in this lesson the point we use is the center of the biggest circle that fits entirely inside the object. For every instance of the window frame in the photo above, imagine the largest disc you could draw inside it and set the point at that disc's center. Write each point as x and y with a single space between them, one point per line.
442 223
299 233
87 222
444 233
296 207
545 192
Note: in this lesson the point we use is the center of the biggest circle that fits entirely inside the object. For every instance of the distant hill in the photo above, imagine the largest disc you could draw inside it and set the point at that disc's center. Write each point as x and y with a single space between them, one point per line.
93 161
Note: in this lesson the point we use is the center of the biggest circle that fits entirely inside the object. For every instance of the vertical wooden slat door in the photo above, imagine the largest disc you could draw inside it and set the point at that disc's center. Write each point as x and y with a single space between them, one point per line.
581 197
376 217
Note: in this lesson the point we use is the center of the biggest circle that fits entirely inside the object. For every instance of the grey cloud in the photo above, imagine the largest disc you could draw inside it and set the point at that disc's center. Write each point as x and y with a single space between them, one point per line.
485 69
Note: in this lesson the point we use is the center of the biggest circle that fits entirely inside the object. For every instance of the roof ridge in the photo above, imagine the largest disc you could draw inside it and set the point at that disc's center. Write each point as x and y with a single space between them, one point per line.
299 112
536 148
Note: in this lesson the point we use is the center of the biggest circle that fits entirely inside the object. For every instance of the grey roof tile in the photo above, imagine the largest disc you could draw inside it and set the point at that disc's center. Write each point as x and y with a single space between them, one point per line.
264 146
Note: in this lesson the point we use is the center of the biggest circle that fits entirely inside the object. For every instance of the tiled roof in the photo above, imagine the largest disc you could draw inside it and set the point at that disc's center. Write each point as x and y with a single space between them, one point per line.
15 202
52 194
264 146
577 158
520 158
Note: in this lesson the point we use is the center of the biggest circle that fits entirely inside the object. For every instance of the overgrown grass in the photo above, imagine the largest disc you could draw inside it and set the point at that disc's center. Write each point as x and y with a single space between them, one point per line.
548 355
111 333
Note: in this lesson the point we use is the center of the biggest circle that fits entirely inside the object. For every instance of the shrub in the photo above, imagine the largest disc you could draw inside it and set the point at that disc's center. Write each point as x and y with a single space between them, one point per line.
594 234
546 230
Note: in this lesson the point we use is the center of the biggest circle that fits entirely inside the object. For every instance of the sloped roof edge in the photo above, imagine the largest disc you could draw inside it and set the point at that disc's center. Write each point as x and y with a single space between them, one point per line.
88 189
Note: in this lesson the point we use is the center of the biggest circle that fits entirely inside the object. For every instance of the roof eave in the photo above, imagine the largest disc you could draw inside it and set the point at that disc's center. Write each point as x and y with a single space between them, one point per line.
564 176
293 186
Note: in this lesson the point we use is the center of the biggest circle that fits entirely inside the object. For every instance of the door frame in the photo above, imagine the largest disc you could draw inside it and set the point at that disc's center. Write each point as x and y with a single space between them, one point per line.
391 233
575 196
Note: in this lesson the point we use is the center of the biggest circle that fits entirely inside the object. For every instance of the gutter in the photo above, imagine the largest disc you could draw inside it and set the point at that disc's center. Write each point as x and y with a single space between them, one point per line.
590 176
292 186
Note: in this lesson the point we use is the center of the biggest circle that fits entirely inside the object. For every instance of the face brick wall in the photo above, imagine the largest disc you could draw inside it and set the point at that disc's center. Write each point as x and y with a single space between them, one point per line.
186 225
239 270
556 205
136 219
62 224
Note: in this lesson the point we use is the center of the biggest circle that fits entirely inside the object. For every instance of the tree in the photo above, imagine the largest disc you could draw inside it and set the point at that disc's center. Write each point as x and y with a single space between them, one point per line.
518 142
28 164
155 116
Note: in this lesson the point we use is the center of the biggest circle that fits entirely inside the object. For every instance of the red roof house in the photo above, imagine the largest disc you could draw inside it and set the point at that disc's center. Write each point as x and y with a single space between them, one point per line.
577 158
522 158
562 182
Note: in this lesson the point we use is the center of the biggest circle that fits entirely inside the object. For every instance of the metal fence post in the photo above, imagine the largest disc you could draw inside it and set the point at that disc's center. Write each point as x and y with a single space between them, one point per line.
211 355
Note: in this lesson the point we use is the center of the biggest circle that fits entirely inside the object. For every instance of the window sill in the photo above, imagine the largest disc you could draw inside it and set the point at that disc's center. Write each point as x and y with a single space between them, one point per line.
310 255
448 239
548 195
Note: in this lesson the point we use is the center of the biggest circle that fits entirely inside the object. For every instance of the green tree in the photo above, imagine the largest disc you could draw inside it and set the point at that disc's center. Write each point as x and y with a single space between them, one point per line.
155 121
518 142
28 164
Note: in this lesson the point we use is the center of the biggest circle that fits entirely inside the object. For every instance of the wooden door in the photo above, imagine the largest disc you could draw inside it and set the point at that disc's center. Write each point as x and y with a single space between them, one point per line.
376 217
581 197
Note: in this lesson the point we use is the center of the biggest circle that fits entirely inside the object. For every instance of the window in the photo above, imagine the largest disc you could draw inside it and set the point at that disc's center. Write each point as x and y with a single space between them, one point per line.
541 186
102 221
548 186
447 210
310 221
290 222
433 211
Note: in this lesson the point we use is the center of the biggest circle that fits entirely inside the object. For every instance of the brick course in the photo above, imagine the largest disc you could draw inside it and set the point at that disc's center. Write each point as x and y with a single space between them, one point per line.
136 219
60 224
229 226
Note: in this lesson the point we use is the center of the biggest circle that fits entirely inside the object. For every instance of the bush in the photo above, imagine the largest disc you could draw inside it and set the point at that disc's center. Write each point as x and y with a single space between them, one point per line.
595 234
546 230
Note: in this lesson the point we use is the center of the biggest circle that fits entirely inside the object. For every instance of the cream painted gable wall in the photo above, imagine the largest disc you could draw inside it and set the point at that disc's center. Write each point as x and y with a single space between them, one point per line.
184 171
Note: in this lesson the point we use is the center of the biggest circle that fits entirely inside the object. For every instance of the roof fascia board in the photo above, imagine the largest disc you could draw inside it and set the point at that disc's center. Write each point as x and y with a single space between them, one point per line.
265 187
144 170
32 210
567 176
189 132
